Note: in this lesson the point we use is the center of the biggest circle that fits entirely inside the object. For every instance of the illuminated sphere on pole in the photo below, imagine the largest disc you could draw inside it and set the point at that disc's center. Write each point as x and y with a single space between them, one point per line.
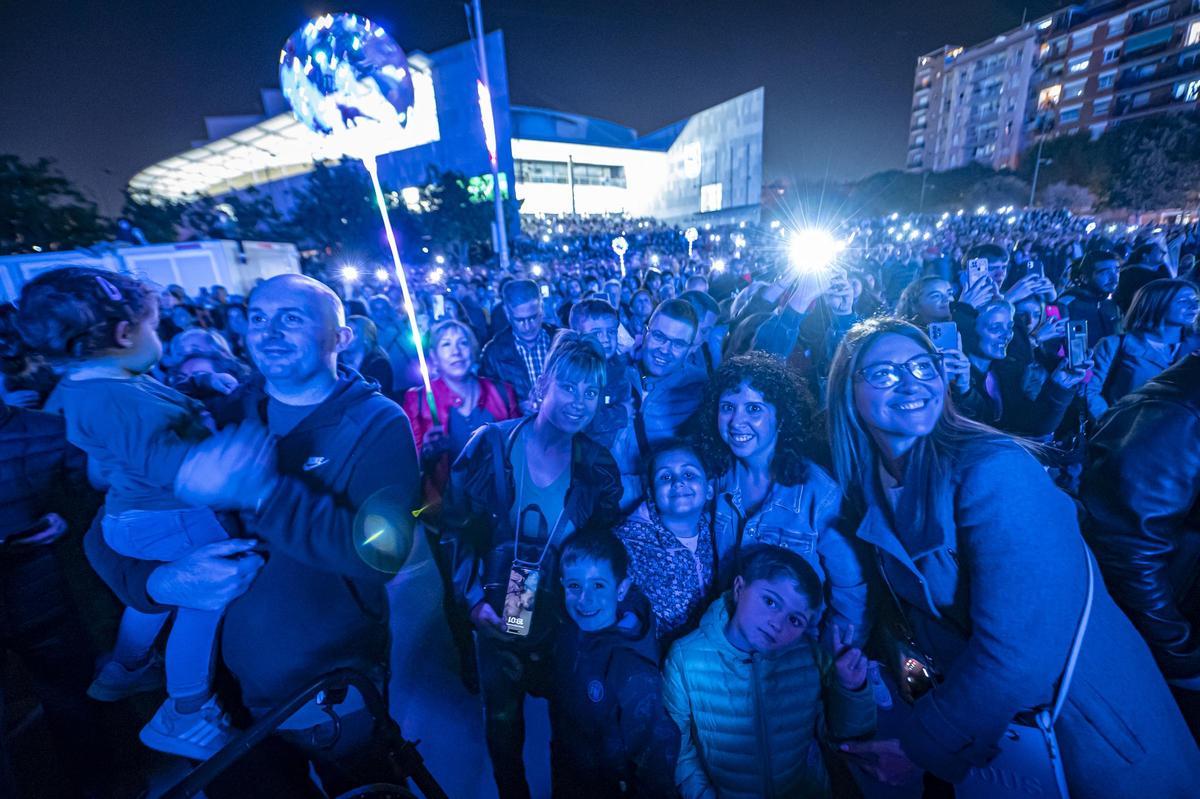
346 79
350 274
620 245
691 234
813 249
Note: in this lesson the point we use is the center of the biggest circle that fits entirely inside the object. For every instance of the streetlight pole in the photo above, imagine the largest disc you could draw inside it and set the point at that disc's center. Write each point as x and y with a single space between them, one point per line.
1037 167
489 121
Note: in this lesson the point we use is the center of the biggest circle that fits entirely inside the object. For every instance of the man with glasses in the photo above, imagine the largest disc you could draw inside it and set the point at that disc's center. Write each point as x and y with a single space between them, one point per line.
517 354
667 390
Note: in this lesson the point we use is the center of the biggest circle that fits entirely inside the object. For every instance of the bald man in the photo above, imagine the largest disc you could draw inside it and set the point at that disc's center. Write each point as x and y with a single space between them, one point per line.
303 601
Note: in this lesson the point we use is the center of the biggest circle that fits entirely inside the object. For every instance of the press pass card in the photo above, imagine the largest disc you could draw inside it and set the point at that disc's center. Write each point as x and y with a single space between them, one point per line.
519 599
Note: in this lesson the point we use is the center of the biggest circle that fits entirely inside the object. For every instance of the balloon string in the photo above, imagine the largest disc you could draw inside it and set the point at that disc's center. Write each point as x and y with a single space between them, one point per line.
372 168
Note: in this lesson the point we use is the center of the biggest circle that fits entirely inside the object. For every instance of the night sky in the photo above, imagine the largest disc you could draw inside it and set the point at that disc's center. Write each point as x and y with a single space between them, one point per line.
108 88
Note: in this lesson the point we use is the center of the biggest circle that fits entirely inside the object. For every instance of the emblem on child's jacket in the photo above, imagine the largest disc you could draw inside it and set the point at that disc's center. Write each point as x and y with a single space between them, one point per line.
314 462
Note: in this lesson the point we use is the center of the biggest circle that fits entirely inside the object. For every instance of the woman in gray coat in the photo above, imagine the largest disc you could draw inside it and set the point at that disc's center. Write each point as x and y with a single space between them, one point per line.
985 560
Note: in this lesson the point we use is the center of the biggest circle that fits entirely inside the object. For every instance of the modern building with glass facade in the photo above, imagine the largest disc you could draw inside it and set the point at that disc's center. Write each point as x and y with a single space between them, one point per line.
706 166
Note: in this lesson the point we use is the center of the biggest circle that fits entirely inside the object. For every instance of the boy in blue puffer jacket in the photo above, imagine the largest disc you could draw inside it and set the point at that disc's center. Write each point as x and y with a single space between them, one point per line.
753 692
610 735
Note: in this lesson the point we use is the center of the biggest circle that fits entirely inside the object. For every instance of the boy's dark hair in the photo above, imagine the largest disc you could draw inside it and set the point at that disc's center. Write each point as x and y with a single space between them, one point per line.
993 252
674 445
72 313
767 562
702 302
591 308
599 545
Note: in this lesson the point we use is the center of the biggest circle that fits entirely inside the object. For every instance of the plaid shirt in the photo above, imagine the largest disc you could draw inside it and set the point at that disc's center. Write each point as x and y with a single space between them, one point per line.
534 355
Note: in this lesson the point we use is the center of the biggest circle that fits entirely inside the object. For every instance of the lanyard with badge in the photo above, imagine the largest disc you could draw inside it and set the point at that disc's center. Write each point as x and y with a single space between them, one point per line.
524 576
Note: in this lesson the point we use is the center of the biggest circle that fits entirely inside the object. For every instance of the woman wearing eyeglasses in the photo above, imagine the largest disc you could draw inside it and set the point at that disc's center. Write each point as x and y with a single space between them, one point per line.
981 558
760 430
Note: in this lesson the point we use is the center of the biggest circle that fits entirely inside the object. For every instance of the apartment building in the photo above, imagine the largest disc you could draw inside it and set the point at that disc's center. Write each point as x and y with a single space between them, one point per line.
969 104
1085 68
1104 63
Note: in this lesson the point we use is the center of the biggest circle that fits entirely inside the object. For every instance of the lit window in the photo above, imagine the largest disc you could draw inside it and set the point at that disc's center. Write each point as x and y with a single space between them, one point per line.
1073 90
1049 96
1079 64
1046 23
1193 34
691 160
1187 91
710 197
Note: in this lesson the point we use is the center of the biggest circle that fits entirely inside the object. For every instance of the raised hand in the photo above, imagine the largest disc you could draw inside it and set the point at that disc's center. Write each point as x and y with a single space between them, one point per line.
1068 377
958 368
232 469
979 293
849 662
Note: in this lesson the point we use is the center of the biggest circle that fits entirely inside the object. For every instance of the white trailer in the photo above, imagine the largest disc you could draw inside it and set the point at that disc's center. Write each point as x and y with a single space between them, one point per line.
237 266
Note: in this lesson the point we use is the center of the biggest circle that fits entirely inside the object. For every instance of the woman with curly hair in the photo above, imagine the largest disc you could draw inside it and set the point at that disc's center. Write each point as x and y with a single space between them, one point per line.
759 430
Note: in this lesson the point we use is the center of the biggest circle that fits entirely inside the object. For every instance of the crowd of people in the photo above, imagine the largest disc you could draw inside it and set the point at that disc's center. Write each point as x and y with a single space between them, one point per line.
755 522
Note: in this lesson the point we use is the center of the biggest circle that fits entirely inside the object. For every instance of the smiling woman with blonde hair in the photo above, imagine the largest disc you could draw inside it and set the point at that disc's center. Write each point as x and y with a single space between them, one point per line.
982 561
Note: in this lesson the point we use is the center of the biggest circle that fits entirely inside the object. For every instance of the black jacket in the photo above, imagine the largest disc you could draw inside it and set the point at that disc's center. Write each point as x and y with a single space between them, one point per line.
40 472
1031 404
317 604
477 531
611 735
1141 492
1102 315
500 360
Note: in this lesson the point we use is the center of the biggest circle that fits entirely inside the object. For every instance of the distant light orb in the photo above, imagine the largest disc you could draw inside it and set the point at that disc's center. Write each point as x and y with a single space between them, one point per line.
381 274
718 265
350 274
346 79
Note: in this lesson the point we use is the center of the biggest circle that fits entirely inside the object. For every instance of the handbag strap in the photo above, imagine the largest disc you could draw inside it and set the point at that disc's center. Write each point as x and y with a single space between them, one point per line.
1064 683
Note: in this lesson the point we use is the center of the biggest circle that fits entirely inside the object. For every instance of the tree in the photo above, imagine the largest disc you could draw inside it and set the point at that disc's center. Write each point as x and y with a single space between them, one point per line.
454 221
41 208
997 190
1156 162
334 212
1063 195
159 220
245 214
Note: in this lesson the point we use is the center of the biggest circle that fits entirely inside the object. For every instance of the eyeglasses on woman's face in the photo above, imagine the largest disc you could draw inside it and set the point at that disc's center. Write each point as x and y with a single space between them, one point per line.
887 374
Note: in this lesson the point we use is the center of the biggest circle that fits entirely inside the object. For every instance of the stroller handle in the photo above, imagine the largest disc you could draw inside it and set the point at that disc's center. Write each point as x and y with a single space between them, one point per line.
406 757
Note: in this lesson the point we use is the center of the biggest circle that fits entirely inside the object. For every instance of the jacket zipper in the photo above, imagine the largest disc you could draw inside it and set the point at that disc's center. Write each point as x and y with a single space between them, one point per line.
760 720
